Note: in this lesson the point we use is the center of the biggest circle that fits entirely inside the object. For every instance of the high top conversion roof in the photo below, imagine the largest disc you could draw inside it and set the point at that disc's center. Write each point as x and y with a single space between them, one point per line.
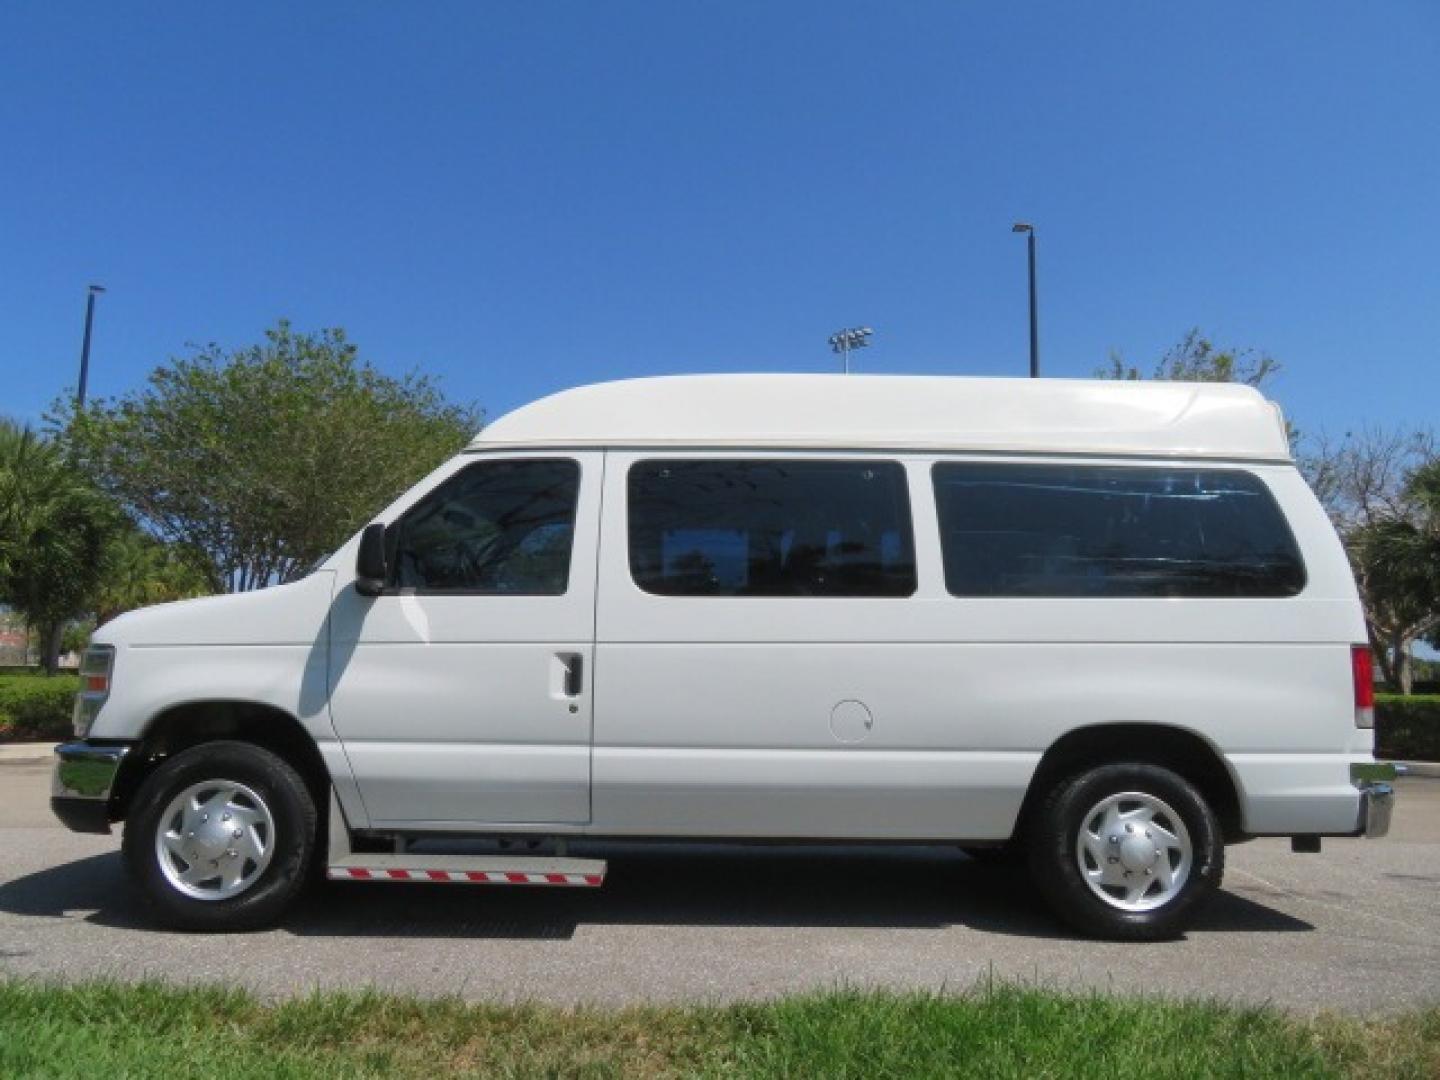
904 412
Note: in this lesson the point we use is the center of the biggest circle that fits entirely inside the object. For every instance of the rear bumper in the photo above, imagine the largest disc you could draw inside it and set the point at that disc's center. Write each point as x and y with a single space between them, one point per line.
1377 797
1313 794
82 783
1377 801
1372 782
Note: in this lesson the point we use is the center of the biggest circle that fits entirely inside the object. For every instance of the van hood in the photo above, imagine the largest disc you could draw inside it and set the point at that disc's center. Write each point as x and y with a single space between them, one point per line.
291 614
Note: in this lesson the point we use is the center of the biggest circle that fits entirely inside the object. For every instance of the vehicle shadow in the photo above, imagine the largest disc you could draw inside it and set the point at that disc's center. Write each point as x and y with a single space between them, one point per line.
863 887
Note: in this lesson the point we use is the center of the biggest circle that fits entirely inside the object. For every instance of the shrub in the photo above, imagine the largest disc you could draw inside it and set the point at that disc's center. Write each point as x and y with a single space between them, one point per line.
34 707
1407 728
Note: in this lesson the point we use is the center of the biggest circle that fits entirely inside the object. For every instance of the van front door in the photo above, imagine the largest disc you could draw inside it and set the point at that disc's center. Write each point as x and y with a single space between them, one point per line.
461 694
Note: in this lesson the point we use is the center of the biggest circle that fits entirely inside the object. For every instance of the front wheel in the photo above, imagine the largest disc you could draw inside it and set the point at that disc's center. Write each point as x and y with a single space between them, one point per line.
1127 851
221 836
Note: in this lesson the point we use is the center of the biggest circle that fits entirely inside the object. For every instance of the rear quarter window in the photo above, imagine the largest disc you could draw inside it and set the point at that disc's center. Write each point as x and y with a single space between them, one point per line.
1112 531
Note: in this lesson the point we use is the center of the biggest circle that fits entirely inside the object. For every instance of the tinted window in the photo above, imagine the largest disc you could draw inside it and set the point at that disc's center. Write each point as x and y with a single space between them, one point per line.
498 527
771 528
1056 530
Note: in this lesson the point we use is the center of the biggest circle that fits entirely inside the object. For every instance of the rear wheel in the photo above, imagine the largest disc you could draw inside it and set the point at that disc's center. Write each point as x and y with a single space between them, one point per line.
220 837
1128 851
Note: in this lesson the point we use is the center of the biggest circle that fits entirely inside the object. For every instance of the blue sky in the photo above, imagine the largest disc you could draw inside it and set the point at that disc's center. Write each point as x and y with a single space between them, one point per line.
521 197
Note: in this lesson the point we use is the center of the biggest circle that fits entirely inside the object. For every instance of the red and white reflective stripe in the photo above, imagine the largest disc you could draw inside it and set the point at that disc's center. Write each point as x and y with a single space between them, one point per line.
464 877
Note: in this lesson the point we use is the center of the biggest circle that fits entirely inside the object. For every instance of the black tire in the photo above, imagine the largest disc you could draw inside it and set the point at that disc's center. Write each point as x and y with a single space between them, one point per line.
295 824
1054 832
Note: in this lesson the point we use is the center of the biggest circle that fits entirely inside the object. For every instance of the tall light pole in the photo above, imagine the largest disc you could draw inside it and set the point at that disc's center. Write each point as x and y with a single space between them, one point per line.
842 341
1023 227
85 347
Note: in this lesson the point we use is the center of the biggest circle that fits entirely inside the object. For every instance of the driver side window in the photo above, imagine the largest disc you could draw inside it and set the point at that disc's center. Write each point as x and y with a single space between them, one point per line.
495 528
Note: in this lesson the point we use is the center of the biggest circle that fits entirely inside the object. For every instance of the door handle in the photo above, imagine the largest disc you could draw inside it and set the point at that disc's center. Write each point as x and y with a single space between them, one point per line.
574 681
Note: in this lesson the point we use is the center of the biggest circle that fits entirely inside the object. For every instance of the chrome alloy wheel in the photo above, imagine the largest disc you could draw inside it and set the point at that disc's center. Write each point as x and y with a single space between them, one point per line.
215 839
1134 851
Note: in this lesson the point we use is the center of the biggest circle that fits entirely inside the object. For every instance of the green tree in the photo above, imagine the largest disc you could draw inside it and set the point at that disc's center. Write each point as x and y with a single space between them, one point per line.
76 636
1381 488
54 527
1195 358
1397 561
141 570
264 459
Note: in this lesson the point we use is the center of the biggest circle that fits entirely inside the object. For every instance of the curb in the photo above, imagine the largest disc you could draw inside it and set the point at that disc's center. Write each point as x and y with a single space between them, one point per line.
1429 769
27 751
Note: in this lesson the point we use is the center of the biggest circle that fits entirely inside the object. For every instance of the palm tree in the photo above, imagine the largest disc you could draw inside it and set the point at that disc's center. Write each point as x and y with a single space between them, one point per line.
54 526
141 570
1398 563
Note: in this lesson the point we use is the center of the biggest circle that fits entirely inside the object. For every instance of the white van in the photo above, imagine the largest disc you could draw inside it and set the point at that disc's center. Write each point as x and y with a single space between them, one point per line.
1103 624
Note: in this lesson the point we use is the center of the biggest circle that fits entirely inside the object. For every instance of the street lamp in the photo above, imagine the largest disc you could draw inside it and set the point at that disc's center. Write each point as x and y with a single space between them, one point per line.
85 347
842 341
1023 227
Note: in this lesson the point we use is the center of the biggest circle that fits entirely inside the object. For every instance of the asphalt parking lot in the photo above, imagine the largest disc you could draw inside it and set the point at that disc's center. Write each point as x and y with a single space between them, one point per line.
1356 928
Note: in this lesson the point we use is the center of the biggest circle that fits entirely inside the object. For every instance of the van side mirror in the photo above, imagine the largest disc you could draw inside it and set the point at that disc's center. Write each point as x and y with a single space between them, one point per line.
370 569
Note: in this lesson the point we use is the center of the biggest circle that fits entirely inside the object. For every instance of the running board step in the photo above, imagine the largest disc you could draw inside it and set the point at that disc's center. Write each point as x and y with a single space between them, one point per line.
469 869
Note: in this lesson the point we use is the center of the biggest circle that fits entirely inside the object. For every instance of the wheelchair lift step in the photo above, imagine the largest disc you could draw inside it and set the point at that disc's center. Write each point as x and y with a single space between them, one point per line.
469 869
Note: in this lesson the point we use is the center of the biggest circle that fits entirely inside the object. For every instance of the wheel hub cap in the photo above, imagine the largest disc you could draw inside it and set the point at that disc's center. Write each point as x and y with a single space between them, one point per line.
215 839
1134 851
1137 853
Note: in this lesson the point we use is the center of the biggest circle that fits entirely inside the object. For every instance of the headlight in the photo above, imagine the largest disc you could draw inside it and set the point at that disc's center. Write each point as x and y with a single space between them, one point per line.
96 667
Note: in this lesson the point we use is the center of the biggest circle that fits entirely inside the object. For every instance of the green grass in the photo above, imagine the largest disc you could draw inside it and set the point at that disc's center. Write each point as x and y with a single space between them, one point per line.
1002 1031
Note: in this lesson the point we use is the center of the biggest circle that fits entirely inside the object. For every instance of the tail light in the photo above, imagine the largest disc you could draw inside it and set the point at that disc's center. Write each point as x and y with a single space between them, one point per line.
1362 669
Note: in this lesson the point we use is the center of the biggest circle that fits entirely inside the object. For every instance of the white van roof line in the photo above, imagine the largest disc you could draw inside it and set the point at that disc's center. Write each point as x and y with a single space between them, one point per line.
912 412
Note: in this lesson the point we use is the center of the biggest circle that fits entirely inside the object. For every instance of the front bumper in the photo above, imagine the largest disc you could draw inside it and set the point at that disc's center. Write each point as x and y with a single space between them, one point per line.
83 781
